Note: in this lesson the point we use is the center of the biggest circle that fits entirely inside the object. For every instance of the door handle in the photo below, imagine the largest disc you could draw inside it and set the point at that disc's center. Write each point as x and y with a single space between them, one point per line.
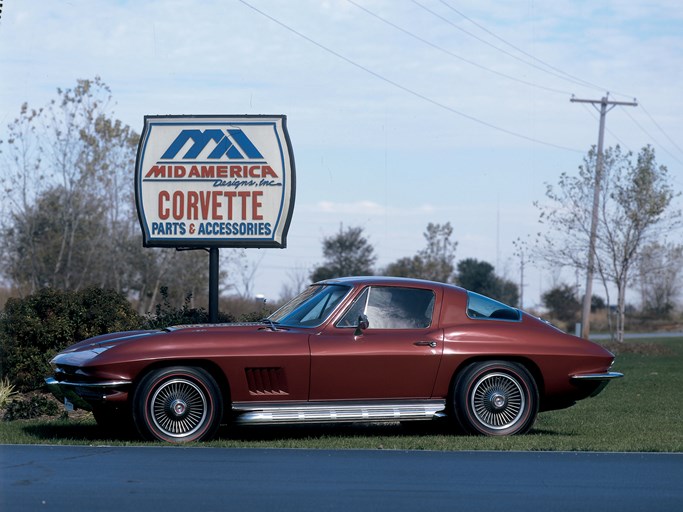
425 344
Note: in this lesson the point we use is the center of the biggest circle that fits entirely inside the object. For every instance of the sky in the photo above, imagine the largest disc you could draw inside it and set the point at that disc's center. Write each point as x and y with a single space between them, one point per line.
400 112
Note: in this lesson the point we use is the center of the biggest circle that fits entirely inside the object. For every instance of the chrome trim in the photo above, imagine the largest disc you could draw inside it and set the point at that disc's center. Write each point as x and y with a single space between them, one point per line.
105 384
601 380
332 412
598 376
69 391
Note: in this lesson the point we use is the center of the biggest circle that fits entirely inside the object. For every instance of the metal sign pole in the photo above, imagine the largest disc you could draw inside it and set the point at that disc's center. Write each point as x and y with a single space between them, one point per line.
213 285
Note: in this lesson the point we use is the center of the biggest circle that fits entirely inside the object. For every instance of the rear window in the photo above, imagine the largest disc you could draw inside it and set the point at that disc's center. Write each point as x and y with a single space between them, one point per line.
480 307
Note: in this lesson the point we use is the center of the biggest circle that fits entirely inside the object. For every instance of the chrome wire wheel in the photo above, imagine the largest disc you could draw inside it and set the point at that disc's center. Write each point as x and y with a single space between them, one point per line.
495 398
497 401
178 408
177 404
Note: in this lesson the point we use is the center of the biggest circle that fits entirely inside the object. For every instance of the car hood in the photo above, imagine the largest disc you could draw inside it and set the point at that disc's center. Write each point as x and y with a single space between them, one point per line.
143 344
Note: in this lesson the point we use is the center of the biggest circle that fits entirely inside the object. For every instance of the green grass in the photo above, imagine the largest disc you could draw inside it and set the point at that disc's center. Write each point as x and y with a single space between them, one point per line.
641 412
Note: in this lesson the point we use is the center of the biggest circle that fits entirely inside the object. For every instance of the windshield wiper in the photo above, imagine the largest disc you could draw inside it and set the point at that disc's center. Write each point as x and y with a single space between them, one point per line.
270 323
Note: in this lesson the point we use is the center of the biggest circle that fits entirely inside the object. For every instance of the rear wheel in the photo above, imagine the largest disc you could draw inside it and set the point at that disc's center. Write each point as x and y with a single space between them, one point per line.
178 405
496 398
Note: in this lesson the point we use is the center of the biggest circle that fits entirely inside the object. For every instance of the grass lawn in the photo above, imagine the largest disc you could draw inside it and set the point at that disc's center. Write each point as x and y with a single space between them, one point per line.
641 412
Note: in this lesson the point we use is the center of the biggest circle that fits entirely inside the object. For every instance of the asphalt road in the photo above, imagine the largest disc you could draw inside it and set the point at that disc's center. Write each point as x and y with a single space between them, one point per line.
201 479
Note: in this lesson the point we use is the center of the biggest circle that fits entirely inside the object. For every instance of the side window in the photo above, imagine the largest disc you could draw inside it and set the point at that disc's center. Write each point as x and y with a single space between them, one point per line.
480 307
389 307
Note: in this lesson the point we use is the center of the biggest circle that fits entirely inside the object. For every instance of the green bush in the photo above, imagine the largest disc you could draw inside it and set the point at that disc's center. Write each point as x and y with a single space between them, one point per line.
33 407
33 329
166 315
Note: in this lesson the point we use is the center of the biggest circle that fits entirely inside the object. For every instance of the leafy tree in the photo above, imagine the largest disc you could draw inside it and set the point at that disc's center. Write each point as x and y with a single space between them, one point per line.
64 173
561 303
348 253
434 261
181 273
634 210
34 252
597 303
68 214
479 276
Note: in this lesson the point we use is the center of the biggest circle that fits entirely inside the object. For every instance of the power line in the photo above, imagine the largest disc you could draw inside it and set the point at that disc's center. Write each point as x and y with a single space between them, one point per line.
562 76
568 76
572 77
653 138
455 55
642 128
407 89
592 114
606 105
549 69
661 129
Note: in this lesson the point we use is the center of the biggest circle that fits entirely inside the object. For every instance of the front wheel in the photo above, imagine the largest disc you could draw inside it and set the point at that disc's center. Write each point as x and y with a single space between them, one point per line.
495 398
178 405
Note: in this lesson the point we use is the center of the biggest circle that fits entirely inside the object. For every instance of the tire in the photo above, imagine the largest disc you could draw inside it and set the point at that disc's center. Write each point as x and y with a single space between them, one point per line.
495 398
177 405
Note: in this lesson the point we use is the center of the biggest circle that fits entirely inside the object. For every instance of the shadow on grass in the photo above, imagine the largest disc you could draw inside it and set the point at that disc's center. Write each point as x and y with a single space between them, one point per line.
61 430
326 431
88 431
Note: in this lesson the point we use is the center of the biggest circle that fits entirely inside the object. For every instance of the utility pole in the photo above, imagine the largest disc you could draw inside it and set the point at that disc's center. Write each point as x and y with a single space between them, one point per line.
605 106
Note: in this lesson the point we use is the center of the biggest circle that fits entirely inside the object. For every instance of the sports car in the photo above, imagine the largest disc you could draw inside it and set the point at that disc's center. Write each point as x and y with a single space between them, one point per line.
356 349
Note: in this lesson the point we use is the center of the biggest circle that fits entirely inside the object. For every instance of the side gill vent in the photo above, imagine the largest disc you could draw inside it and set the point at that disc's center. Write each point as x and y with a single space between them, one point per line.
266 381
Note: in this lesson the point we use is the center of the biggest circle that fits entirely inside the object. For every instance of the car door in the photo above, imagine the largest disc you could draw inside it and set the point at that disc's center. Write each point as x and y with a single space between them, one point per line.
397 356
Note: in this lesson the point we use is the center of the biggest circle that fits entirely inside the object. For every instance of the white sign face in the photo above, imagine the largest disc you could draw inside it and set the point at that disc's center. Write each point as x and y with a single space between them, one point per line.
215 181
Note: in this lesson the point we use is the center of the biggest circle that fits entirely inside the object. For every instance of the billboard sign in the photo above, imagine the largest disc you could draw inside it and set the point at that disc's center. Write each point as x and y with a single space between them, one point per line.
215 181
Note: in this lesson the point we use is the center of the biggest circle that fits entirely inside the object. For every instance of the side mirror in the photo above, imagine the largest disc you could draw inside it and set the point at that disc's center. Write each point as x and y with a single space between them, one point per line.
363 323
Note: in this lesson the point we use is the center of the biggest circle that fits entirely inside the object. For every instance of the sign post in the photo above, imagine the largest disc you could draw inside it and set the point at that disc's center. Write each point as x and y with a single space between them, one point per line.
206 182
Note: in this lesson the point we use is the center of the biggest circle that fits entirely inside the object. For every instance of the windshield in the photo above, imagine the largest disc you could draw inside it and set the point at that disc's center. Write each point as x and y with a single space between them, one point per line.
311 307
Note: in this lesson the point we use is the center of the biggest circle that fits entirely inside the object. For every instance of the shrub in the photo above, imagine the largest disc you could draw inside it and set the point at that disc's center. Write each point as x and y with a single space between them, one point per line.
33 407
166 315
33 329
6 391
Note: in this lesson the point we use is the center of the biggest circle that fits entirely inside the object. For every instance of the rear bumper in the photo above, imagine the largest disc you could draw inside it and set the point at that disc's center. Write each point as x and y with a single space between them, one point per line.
84 395
598 381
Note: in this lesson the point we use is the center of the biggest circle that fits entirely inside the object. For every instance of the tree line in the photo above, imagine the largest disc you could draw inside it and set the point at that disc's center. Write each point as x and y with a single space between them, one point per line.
349 253
68 221
68 217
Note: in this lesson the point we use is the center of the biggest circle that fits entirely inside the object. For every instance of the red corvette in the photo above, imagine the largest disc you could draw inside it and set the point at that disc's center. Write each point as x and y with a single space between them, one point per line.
350 349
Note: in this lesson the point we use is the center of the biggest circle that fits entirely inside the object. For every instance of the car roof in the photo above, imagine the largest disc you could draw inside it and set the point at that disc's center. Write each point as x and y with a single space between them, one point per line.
387 280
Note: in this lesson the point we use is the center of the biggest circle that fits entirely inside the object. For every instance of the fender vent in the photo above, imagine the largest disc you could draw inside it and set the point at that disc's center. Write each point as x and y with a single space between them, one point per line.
266 381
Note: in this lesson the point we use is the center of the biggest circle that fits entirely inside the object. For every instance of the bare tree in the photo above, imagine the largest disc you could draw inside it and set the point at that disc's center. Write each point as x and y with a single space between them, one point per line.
68 218
635 210
60 190
660 267
435 261
240 270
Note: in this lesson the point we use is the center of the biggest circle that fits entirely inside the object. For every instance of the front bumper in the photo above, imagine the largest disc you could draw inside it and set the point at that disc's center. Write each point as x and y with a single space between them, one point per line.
84 395
598 381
